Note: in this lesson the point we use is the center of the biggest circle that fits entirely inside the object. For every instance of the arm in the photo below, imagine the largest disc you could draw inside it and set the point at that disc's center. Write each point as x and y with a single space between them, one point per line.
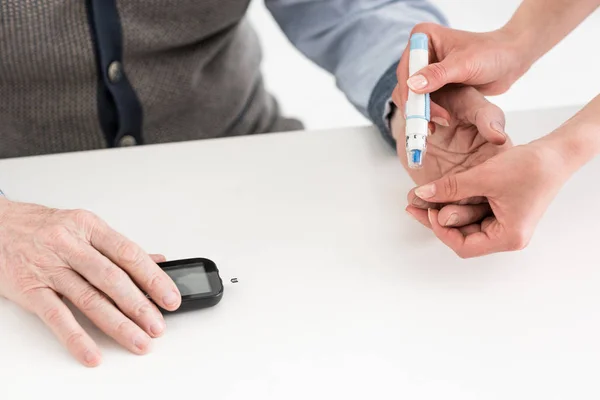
492 61
540 25
359 41
578 139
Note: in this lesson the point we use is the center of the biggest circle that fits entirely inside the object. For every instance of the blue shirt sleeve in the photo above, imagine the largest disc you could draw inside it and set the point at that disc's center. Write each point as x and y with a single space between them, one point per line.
359 41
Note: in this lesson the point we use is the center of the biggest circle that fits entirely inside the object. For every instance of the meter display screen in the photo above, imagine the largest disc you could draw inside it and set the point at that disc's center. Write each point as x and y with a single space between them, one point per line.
191 279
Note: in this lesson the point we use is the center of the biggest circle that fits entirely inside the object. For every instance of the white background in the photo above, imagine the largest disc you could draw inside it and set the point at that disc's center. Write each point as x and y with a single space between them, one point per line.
568 75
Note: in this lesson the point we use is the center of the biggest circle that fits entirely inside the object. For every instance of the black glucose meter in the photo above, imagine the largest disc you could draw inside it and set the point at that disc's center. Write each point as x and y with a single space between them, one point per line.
198 281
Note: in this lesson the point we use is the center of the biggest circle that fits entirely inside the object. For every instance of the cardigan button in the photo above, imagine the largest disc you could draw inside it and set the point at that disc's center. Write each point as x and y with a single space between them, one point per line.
115 72
127 140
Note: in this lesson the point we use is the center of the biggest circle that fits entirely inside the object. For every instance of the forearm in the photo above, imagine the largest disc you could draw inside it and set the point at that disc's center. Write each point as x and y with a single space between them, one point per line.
539 25
357 41
578 139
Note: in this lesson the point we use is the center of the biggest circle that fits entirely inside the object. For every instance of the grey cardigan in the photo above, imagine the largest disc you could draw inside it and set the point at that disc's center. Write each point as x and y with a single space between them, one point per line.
78 75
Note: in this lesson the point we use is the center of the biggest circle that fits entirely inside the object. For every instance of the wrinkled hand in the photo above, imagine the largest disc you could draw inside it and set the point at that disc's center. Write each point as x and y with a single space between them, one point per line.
475 135
518 185
47 253
491 62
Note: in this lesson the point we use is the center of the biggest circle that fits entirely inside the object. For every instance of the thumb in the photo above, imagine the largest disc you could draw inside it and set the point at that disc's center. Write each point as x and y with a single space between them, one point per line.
454 187
437 75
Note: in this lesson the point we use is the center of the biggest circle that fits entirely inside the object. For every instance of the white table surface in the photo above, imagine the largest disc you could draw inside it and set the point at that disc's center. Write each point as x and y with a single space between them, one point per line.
340 294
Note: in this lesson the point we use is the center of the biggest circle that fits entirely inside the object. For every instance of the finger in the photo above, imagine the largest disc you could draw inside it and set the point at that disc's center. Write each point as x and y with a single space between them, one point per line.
140 267
97 307
116 284
436 75
470 229
474 244
419 215
462 215
417 202
57 316
489 120
469 105
439 115
455 187
472 200
400 95
158 258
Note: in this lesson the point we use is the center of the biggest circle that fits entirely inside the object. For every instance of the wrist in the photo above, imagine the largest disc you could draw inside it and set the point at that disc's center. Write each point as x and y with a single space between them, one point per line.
577 143
523 44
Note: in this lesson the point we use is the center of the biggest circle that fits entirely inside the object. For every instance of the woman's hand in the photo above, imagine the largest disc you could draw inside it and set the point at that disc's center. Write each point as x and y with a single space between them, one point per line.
514 189
475 135
517 187
490 62
46 254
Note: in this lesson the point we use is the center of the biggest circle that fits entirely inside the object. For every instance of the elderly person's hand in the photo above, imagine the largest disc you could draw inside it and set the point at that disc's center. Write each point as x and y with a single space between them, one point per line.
46 254
471 139
475 134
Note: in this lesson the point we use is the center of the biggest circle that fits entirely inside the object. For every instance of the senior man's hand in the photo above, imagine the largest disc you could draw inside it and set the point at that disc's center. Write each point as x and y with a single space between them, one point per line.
46 254
475 135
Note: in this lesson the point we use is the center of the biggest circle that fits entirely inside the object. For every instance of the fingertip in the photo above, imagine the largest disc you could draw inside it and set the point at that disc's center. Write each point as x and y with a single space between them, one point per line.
158 258
142 344
499 135
172 300
432 215
418 83
91 358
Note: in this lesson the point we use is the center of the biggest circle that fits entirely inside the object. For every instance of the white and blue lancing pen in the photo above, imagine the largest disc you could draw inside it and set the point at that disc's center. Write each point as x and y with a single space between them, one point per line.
417 106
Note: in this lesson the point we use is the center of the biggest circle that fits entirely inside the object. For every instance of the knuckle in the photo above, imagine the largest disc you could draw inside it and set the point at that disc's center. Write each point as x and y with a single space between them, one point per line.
141 308
519 240
52 316
115 277
89 300
490 112
129 254
83 217
450 186
121 328
438 71
60 278
74 338
58 235
155 282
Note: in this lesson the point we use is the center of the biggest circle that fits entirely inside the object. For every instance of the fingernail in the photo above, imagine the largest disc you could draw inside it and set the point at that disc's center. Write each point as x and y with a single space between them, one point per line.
497 126
429 216
171 299
141 342
417 82
418 202
440 121
452 220
426 191
91 358
409 214
157 328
